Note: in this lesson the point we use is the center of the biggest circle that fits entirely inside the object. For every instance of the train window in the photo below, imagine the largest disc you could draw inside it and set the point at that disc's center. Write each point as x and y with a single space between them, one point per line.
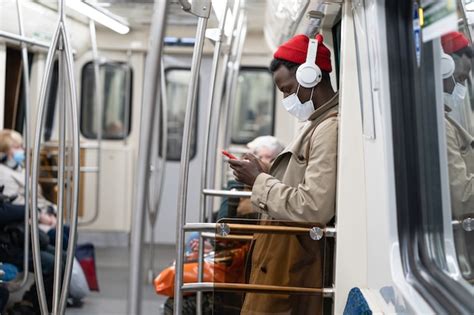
433 160
254 110
116 85
177 83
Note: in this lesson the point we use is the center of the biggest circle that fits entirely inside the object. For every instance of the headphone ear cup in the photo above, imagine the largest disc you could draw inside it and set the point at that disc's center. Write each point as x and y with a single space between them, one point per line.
447 65
308 75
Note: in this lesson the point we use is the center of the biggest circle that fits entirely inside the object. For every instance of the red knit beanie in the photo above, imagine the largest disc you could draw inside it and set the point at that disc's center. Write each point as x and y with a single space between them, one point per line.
453 42
296 48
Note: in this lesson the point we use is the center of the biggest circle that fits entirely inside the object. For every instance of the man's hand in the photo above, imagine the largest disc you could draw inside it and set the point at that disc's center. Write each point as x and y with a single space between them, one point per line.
247 169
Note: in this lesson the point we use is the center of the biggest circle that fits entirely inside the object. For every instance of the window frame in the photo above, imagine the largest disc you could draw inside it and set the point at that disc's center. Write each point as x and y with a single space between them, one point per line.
417 168
90 136
257 69
196 114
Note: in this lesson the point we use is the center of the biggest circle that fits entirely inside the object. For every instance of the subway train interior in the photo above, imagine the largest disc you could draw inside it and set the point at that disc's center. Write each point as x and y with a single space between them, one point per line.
236 157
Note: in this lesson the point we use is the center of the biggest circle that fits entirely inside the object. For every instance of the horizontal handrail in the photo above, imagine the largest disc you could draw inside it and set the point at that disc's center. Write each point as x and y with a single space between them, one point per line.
227 193
83 169
224 229
467 224
83 145
255 288
228 237
23 39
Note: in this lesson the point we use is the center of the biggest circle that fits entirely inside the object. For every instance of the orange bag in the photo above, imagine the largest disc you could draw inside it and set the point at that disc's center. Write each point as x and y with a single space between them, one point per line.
214 270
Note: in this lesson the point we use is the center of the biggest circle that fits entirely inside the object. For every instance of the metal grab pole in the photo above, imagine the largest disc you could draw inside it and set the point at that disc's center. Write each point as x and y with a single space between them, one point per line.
75 173
184 169
24 39
234 73
205 164
61 40
35 174
228 60
217 113
100 113
151 82
26 137
60 175
155 192
227 193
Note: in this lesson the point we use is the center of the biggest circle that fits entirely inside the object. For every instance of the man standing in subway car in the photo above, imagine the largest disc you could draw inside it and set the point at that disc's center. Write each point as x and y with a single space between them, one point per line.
300 185
456 68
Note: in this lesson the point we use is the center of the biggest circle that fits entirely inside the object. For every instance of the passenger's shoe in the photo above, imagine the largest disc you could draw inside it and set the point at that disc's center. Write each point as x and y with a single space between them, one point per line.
74 303
21 308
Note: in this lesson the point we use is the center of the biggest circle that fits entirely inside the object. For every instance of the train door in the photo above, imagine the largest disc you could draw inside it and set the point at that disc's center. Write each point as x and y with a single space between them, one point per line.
109 156
177 74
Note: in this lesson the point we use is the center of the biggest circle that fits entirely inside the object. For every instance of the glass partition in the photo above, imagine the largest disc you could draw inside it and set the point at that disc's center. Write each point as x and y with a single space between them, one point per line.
254 110
262 266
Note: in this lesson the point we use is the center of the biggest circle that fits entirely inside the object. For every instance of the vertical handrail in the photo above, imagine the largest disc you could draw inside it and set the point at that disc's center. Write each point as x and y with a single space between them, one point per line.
26 137
35 173
100 117
151 82
157 166
185 157
236 12
61 170
242 33
61 41
205 160
76 168
224 109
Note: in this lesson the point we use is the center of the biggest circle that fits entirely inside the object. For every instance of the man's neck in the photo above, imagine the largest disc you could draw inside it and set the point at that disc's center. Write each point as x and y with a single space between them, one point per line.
322 95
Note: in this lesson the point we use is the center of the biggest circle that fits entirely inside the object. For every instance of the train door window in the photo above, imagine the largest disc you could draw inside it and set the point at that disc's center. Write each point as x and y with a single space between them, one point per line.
116 89
177 83
15 101
254 111
433 160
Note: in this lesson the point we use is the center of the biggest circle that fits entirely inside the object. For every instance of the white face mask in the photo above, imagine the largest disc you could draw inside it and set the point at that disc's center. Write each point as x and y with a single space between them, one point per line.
293 105
455 100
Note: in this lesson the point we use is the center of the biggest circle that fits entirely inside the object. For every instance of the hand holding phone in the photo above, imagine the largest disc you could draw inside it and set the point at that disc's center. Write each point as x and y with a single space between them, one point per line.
229 155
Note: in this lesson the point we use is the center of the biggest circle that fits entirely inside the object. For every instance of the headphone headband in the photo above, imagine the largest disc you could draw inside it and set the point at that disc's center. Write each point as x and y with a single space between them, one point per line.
312 50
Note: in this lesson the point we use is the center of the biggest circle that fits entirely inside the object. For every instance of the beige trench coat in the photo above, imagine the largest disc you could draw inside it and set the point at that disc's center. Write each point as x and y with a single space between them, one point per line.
301 187
460 145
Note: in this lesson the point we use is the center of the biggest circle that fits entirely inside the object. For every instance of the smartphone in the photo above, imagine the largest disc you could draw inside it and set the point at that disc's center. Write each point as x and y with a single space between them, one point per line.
229 155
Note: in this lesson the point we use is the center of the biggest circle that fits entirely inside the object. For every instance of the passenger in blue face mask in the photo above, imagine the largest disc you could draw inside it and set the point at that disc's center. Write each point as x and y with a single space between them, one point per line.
12 176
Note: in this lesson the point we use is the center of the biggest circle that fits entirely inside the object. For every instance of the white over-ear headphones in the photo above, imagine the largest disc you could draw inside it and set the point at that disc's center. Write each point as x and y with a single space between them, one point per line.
447 65
308 74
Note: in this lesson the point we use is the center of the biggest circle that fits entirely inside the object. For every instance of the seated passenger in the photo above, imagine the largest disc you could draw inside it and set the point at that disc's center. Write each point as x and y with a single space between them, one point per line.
12 176
460 143
299 186
11 251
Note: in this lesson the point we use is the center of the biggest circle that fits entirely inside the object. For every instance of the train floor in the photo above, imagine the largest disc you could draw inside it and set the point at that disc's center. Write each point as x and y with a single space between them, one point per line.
113 273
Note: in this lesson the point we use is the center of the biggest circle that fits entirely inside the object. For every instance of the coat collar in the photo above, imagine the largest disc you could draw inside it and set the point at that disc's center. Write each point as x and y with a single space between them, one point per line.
463 133
333 101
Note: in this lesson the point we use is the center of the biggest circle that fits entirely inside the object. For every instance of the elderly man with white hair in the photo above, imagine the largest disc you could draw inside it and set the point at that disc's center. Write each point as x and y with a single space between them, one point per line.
266 148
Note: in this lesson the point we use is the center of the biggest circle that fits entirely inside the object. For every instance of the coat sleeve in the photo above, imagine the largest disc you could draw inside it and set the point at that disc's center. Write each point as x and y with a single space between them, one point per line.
313 200
460 181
